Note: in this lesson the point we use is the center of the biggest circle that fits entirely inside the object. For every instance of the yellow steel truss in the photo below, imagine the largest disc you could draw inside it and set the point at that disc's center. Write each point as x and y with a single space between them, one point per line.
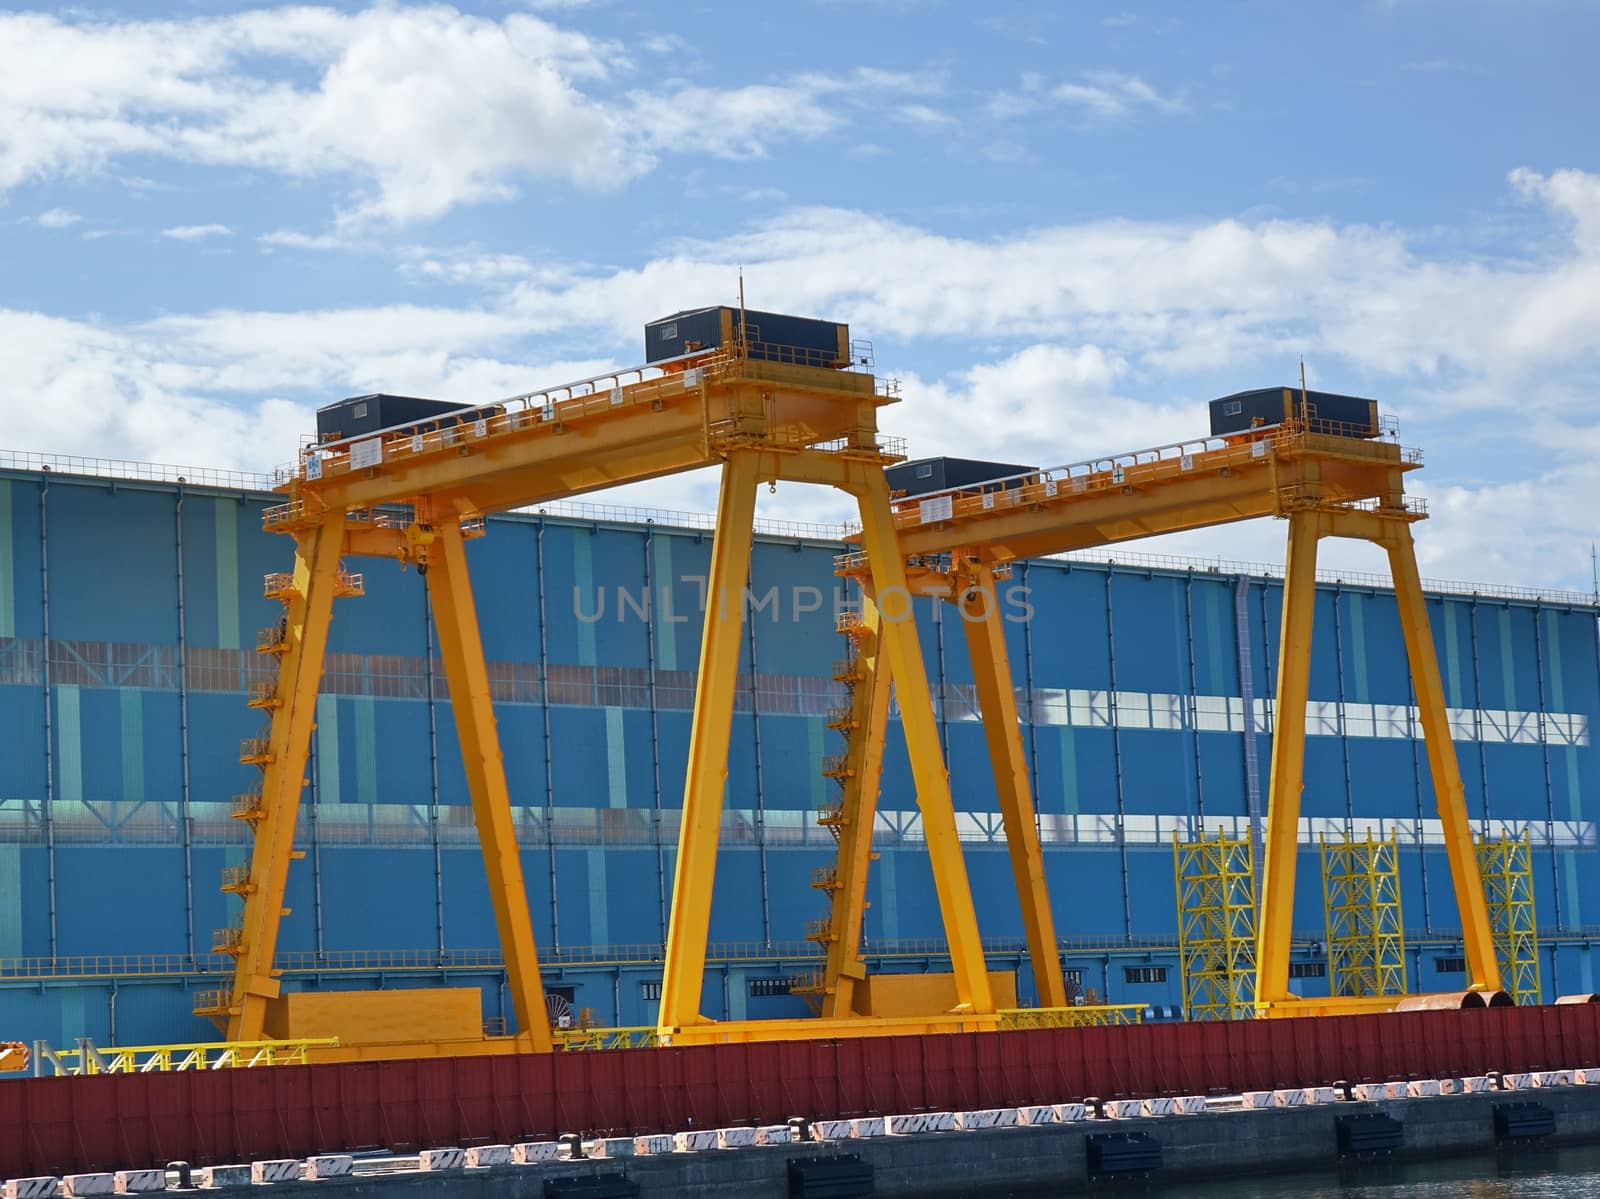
1072 1016
1215 879
1506 864
1361 900
152 1059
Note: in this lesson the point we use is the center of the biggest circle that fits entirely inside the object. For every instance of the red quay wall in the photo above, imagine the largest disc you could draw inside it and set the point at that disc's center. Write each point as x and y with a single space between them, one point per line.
57 1125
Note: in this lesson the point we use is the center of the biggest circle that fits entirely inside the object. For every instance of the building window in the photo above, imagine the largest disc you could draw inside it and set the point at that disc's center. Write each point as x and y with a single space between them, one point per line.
925 471
1073 977
1233 408
1450 965
650 991
1144 974
359 411
770 988
1308 969
668 332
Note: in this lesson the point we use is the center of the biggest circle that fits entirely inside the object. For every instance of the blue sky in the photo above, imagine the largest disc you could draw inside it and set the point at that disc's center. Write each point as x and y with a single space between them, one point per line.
1065 226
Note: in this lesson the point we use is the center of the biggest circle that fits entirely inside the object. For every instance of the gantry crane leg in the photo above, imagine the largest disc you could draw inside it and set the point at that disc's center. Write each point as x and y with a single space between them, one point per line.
1276 922
1477 938
979 606
461 647
903 651
857 814
684 969
308 609
1391 530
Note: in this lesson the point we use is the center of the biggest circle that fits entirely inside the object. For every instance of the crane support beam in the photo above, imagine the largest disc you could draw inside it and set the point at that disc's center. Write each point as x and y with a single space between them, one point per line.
979 606
858 812
1262 477
904 653
309 610
1477 937
461 647
1273 929
684 971
572 445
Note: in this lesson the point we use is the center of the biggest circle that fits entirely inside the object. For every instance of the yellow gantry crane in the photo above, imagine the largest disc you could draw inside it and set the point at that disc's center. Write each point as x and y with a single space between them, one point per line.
1325 480
766 412
763 414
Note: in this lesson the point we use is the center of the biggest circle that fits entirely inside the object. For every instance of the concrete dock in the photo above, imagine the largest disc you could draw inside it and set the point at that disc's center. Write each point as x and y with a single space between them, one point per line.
1231 1136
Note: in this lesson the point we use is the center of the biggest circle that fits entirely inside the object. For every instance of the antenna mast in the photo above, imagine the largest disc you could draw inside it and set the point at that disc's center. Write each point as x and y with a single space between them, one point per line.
743 344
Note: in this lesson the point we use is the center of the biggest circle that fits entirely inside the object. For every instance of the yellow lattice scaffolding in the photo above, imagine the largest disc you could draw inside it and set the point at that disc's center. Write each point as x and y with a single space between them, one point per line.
1506 865
1361 902
1216 926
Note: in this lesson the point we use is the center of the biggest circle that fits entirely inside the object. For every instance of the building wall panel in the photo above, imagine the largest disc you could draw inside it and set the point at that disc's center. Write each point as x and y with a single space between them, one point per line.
1525 676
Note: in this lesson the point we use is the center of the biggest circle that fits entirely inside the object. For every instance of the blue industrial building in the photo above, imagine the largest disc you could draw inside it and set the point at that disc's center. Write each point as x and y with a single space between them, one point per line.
128 618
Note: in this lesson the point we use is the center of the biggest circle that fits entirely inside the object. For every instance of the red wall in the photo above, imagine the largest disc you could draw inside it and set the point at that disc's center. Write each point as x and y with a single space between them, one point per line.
53 1125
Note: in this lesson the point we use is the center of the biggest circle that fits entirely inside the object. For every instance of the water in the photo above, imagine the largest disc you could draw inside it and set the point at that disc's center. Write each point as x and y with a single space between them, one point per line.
1524 1173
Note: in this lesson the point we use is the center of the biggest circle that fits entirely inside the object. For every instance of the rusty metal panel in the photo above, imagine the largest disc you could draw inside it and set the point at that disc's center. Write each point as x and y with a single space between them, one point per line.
61 1124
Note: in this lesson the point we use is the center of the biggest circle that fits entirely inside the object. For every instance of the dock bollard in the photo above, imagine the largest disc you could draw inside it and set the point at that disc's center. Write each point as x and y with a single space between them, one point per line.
799 1128
185 1173
573 1143
1346 1090
1095 1104
1497 1080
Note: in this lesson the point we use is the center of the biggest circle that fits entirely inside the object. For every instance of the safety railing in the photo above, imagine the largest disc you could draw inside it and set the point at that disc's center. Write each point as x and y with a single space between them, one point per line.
255 751
215 1002
836 766
604 1038
124 468
554 406
674 518
1080 1016
178 965
152 1059
236 879
631 387
264 694
274 639
1133 468
279 585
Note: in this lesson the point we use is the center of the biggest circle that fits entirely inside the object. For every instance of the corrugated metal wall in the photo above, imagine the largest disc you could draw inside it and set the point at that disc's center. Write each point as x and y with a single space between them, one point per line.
114 824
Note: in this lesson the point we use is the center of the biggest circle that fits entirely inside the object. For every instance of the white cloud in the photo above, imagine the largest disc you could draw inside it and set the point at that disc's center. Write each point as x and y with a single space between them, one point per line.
923 116
229 389
470 267
1169 296
1046 345
196 232
1103 95
57 218
418 109
294 239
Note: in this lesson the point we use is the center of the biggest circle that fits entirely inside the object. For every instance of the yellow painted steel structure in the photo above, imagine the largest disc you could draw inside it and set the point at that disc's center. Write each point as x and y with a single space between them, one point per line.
1324 481
1216 888
159 1059
418 493
1361 900
1507 867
